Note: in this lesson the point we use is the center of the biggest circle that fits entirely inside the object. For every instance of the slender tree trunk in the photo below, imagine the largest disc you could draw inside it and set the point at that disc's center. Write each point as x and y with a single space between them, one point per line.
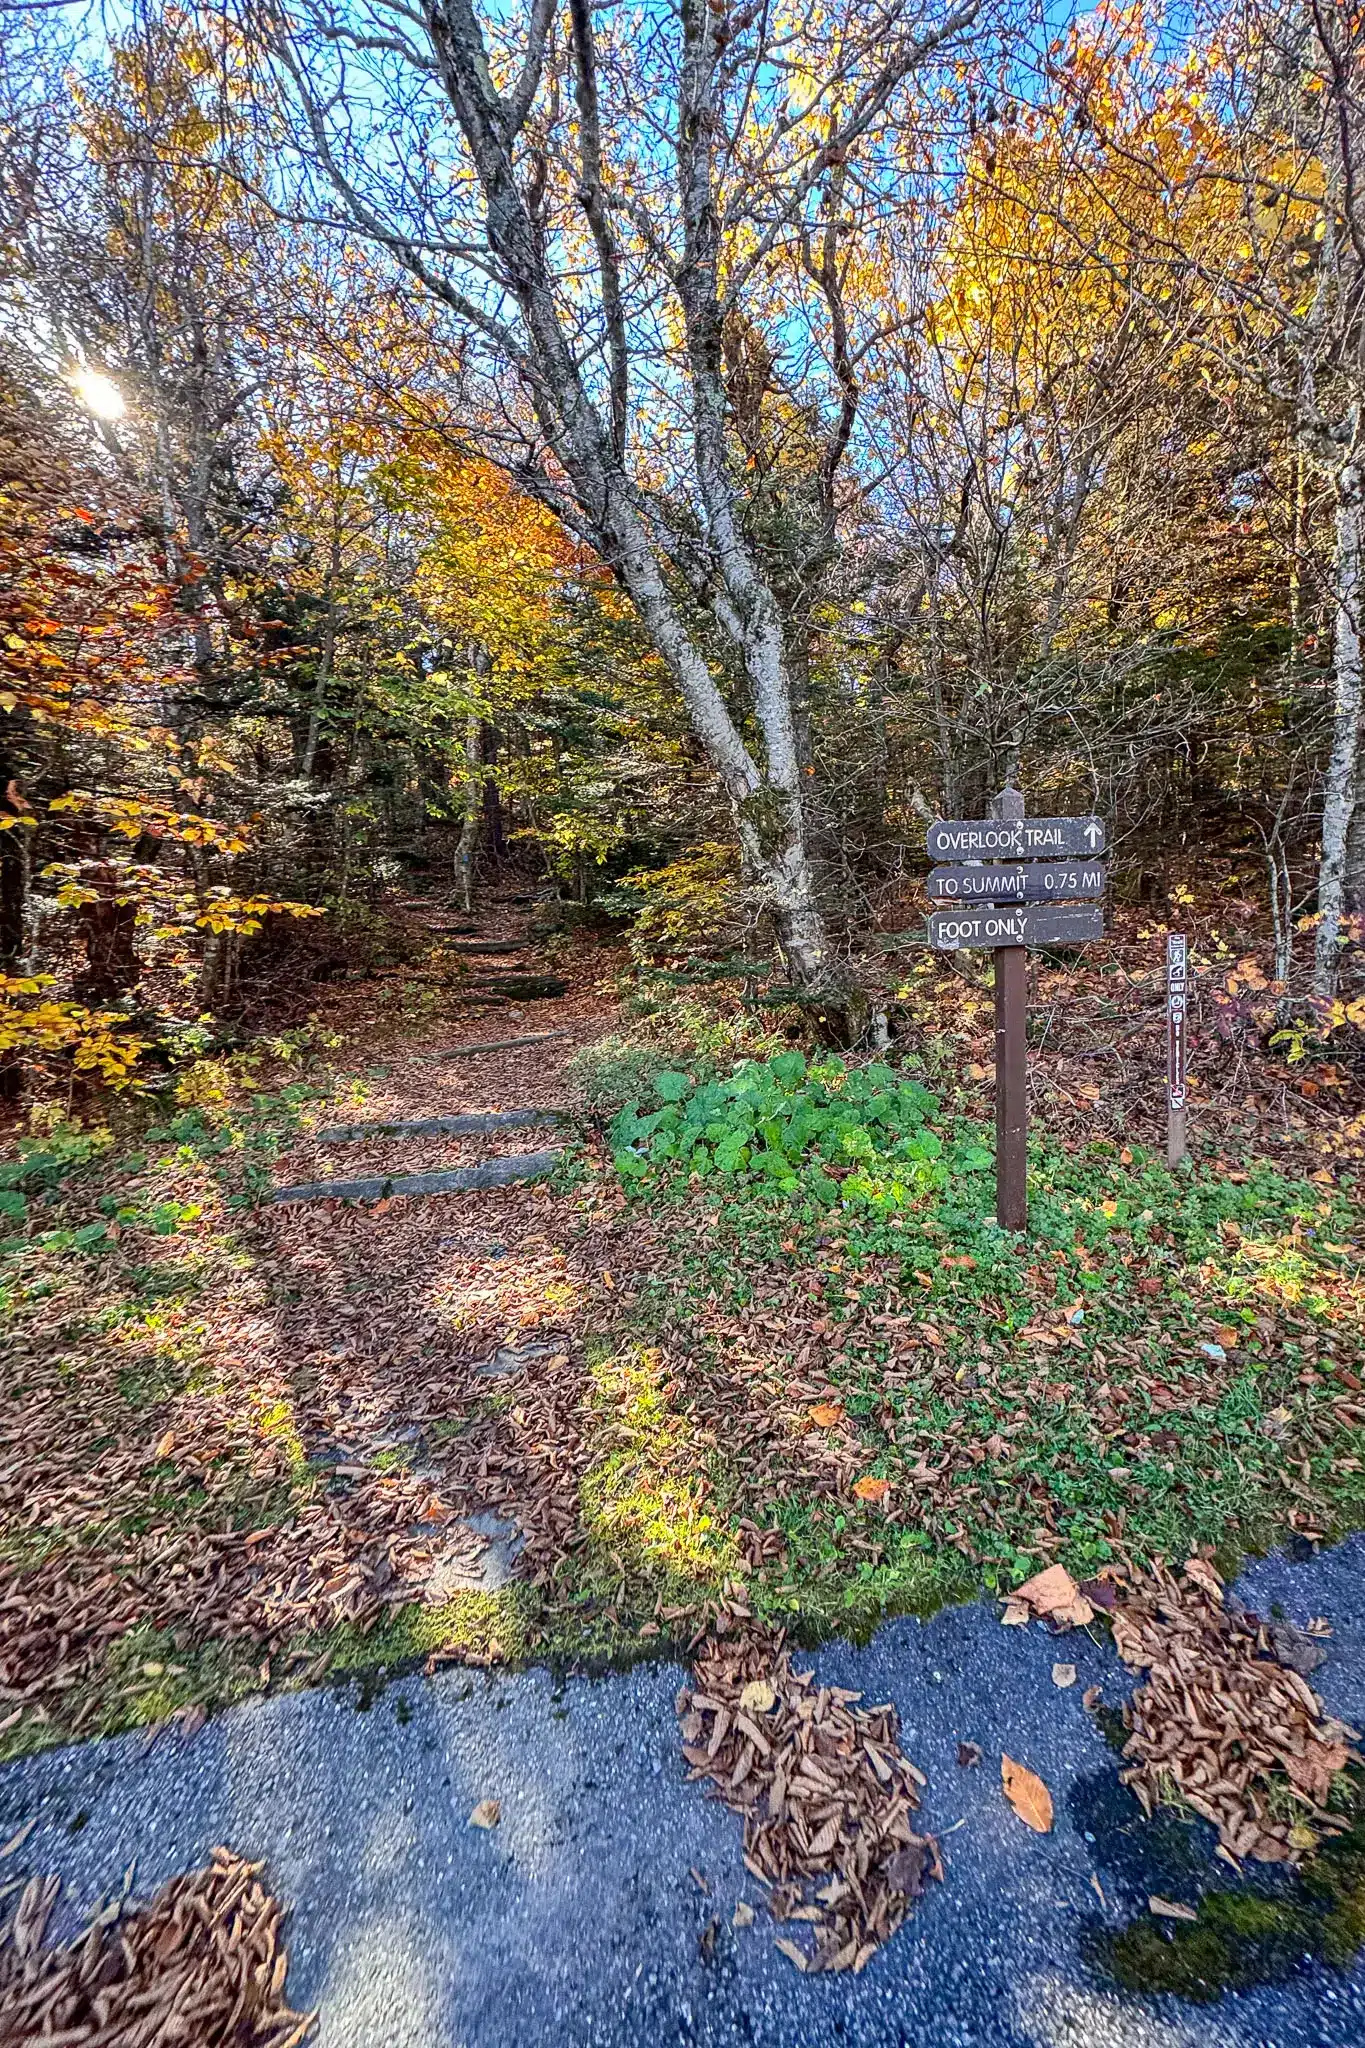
473 809
1353 876
329 641
108 926
1339 795
13 890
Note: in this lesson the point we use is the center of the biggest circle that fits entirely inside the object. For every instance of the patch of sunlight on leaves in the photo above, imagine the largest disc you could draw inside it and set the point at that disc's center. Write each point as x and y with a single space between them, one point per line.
1281 1271
274 1419
643 1499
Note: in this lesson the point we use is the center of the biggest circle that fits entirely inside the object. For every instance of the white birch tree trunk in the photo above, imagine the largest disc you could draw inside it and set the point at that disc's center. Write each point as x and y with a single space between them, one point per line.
1339 794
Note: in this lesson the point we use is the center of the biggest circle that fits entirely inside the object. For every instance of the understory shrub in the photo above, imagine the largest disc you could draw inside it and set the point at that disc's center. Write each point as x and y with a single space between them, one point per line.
862 1134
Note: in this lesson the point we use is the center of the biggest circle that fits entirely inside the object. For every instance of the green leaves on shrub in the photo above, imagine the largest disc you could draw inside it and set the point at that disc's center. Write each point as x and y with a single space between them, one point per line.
790 1126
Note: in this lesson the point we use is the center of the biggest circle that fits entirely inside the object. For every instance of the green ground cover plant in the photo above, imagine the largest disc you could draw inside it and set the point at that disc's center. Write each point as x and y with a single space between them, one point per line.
805 1376
1165 1360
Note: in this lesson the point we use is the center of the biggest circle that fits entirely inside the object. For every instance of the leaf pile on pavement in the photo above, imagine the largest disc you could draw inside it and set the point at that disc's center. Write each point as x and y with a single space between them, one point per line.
1222 1725
825 1792
201 1963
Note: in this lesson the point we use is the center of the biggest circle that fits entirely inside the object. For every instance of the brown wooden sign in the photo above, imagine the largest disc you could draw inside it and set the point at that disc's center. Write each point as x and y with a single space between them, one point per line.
1013 838
1041 861
1060 925
1030 881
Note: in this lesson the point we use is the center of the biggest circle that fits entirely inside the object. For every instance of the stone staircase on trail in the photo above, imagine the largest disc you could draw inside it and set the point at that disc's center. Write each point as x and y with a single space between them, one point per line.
507 1171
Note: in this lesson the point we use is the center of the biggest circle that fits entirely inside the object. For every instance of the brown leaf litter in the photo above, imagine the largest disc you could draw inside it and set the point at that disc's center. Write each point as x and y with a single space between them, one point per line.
1222 1725
202 1963
825 1792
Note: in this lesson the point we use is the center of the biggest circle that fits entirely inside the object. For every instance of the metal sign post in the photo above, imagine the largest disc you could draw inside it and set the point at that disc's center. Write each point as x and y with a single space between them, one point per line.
1177 1003
1042 861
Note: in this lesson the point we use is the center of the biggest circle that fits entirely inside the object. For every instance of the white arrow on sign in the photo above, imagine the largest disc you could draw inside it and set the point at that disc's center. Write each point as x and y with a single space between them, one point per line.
1094 832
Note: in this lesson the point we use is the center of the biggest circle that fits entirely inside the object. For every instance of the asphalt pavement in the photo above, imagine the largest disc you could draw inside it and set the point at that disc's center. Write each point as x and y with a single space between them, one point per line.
578 1921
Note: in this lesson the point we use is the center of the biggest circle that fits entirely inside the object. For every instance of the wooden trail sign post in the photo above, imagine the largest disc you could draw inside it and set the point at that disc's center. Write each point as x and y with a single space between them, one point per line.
1177 1007
1038 861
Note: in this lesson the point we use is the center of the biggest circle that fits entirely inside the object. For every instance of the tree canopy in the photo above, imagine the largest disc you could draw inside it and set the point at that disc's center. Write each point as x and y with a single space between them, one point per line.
678 451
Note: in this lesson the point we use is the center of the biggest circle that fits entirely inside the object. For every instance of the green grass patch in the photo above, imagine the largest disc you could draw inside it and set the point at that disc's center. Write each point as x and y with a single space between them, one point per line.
1156 1365
495 1627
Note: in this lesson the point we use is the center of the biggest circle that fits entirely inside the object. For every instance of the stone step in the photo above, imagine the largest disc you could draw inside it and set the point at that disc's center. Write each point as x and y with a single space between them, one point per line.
459 1052
526 988
486 945
455 1180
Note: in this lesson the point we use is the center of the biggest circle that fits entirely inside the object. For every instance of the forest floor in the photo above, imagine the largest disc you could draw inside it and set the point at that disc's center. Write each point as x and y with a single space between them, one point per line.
247 1446
611 1906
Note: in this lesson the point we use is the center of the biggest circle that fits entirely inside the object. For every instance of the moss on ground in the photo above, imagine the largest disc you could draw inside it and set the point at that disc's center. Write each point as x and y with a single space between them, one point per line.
1249 1936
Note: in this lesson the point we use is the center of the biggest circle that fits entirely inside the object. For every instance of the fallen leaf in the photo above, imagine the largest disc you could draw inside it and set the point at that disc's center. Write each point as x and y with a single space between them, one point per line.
743 1915
1170 1909
19 1837
1016 1615
790 1950
164 1445
827 1413
907 1869
1047 1590
1028 1795
1091 1697
607 1280
486 1814
1078 1613
1063 1675
872 1489
1199 1569
968 1755
757 1697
